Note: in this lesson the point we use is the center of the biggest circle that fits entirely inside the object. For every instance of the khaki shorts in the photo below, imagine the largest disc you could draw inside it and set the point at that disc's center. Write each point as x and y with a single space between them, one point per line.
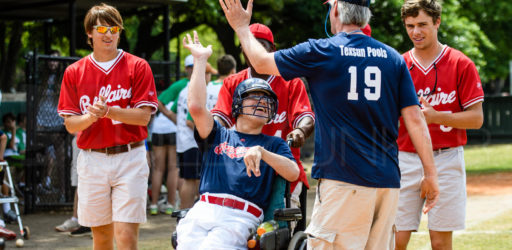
112 187
347 216
450 211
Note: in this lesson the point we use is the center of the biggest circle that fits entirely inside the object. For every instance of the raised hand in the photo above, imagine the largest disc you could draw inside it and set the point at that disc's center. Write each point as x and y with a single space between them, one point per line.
235 13
196 48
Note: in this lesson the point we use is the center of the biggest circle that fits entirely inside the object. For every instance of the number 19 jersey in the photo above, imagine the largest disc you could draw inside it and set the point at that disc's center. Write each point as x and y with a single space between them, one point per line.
358 86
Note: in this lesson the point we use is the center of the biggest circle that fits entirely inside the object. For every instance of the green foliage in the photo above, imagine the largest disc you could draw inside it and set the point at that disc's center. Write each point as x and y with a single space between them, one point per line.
207 37
479 28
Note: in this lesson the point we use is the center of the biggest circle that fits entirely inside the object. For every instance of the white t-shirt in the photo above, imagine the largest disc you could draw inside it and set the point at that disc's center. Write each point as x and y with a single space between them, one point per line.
185 136
163 125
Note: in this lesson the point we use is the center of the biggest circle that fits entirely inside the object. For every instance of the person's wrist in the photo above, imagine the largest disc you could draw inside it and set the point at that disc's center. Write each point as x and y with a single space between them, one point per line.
106 113
91 117
301 130
430 176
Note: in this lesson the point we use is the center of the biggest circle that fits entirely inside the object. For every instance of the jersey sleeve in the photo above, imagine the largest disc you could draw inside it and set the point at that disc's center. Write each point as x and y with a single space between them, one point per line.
297 61
68 98
203 144
407 92
143 87
298 103
165 96
470 87
174 107
281 148
222 108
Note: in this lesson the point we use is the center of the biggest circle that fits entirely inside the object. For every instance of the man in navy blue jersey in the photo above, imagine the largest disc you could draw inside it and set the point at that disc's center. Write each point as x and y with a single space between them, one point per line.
360 87
239 165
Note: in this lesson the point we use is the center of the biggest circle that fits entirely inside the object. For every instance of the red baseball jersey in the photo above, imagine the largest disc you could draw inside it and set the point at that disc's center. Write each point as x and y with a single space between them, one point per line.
458 87
293 106
128 83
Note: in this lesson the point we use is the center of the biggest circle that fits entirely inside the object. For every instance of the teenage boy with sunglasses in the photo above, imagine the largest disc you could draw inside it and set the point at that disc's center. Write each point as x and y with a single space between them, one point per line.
108 98
450 91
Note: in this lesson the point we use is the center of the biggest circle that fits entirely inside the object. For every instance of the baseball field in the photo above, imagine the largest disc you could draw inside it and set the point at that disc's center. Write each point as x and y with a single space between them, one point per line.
488 220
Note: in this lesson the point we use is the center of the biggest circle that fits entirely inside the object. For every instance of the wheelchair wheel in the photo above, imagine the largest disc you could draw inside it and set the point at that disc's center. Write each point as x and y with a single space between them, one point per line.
298 241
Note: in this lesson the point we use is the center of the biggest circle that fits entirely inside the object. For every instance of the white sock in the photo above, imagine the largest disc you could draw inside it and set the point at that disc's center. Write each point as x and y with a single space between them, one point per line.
74 218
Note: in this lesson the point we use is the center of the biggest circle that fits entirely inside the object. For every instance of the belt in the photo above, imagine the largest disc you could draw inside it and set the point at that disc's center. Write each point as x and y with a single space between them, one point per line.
439 150
232 203
117 149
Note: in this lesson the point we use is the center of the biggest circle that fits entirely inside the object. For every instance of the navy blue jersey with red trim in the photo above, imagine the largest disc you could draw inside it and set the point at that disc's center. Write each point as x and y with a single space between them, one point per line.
224 170
358 86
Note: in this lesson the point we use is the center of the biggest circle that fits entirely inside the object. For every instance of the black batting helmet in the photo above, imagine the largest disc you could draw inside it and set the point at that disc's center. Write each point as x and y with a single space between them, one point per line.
254 85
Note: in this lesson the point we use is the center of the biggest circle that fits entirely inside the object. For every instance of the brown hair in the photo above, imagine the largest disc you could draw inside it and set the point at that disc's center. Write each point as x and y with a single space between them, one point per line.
225 64
105 14
430 7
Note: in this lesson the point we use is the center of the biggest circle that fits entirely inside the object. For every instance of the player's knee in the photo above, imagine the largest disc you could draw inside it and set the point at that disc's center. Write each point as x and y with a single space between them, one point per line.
401 240
126 236
440 244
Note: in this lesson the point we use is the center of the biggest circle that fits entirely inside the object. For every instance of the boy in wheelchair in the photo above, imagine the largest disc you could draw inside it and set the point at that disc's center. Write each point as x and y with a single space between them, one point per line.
238 166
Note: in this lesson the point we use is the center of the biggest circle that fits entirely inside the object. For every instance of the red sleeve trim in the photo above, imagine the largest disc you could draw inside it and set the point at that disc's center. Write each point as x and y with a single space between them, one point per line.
68 112
305 114
224 117
153 105
473 101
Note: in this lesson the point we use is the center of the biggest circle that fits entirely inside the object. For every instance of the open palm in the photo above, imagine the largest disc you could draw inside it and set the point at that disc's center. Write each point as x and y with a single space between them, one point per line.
195 47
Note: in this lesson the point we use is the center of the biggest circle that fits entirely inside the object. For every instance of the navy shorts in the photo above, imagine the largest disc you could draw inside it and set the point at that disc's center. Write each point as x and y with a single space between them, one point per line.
163 139
189 163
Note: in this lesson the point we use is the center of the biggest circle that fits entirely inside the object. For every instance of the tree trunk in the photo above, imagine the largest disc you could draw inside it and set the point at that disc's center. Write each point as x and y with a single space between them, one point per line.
226 36
2 49
12 56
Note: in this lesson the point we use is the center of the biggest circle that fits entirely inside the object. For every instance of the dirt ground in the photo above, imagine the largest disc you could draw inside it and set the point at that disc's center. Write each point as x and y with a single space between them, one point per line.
482 190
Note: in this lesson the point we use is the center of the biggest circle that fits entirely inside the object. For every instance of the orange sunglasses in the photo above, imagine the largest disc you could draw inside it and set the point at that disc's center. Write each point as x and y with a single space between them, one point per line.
103 29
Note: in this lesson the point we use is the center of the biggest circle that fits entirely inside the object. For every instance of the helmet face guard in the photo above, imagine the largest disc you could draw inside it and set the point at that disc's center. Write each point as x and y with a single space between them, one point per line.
266 102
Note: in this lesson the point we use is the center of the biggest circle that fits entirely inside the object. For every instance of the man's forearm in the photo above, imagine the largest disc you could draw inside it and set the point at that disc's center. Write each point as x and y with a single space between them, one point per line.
77 123
420 137
262 61
471 118
285 167
132 116
306 125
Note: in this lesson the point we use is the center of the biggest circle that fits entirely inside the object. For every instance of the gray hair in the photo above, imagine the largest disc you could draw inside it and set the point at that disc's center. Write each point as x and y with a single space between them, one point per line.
352 13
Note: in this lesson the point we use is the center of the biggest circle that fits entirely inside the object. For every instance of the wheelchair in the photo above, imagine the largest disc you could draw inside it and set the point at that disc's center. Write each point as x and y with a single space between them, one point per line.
283 237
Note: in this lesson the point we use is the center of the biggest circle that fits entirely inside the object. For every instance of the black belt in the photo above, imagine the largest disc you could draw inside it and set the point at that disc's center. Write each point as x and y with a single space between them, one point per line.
117 149
439 150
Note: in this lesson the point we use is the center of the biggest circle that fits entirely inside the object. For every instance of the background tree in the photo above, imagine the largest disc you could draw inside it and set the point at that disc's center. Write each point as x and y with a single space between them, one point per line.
479 28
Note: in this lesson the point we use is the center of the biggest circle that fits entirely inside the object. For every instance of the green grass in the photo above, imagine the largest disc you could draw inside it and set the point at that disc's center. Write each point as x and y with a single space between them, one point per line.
492 234
500 223
488 159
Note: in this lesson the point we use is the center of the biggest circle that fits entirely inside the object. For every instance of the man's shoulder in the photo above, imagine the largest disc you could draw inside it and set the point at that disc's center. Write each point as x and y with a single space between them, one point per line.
458 56
80 64
133 58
